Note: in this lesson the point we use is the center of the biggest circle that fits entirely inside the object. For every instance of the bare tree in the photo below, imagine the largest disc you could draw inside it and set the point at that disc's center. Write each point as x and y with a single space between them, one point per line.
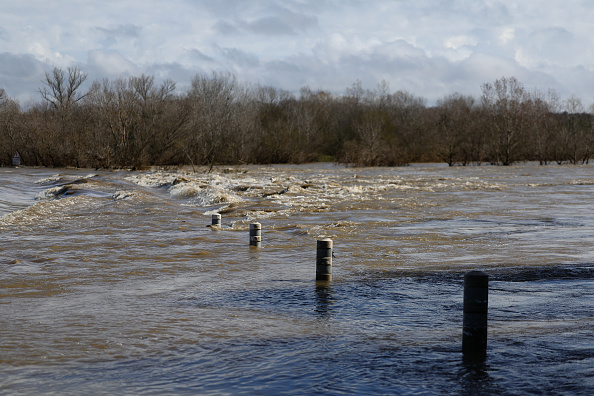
141 122
279 138
408 135
215 100
370 132
356 94
10 139
312 115
62 89
574 131
504 104
542 126
456 115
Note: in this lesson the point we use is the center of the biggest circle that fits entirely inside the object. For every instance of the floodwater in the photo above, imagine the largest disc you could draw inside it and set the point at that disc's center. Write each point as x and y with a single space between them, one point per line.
113 283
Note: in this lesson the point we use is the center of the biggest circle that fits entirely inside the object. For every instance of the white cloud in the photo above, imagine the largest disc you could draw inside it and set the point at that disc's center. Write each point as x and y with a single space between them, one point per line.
111 64
460 41
507 35
430 48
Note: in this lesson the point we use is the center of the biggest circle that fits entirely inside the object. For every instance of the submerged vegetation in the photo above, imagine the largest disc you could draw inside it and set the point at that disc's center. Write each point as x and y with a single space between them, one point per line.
134 122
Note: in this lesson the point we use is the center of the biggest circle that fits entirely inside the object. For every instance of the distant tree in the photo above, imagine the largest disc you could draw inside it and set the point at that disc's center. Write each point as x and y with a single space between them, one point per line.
455 127
138 122
542 126
504 103
62 89
408 138
218 118
381 95
370 132
356 95
10 138
315 121
62 92
279 137
574 132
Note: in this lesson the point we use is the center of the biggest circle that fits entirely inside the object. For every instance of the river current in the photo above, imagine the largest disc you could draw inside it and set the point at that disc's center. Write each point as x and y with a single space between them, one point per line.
114 283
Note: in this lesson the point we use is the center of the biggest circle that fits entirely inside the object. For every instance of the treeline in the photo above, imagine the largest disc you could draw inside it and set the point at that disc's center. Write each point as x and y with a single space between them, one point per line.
134 122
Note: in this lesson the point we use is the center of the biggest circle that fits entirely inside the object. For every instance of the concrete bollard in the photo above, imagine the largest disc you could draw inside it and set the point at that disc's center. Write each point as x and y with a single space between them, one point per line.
476 302
324 260
256 234
216 220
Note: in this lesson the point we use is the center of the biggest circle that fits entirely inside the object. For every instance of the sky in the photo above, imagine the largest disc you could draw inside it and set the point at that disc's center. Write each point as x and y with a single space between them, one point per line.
429 48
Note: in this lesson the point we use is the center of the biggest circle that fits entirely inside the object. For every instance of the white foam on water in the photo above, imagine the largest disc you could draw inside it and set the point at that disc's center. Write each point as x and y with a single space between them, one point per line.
53 211
295 189
296 193
582 182
49 180
202 189
153 179
51 193
214 211
185 190
355 189
481 185
214 195
119 195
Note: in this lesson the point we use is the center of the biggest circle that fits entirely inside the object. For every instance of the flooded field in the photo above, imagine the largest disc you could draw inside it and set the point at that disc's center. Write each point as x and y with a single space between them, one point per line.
112 282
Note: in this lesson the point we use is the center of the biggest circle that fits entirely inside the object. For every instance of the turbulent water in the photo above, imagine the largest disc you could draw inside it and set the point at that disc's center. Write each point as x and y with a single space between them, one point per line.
112 282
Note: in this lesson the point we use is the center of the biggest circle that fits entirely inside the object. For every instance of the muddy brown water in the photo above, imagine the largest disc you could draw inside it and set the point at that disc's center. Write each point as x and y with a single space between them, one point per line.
111 282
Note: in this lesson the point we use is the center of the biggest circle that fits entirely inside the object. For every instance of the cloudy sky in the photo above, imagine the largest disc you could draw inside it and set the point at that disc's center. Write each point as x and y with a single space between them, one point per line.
430 48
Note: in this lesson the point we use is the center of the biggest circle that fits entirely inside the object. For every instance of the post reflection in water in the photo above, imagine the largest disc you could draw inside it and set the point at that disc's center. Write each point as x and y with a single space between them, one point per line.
324 299
474 377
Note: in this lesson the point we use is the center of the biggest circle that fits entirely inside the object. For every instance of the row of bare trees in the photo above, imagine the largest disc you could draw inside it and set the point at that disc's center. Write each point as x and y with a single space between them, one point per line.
510 124
135 122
